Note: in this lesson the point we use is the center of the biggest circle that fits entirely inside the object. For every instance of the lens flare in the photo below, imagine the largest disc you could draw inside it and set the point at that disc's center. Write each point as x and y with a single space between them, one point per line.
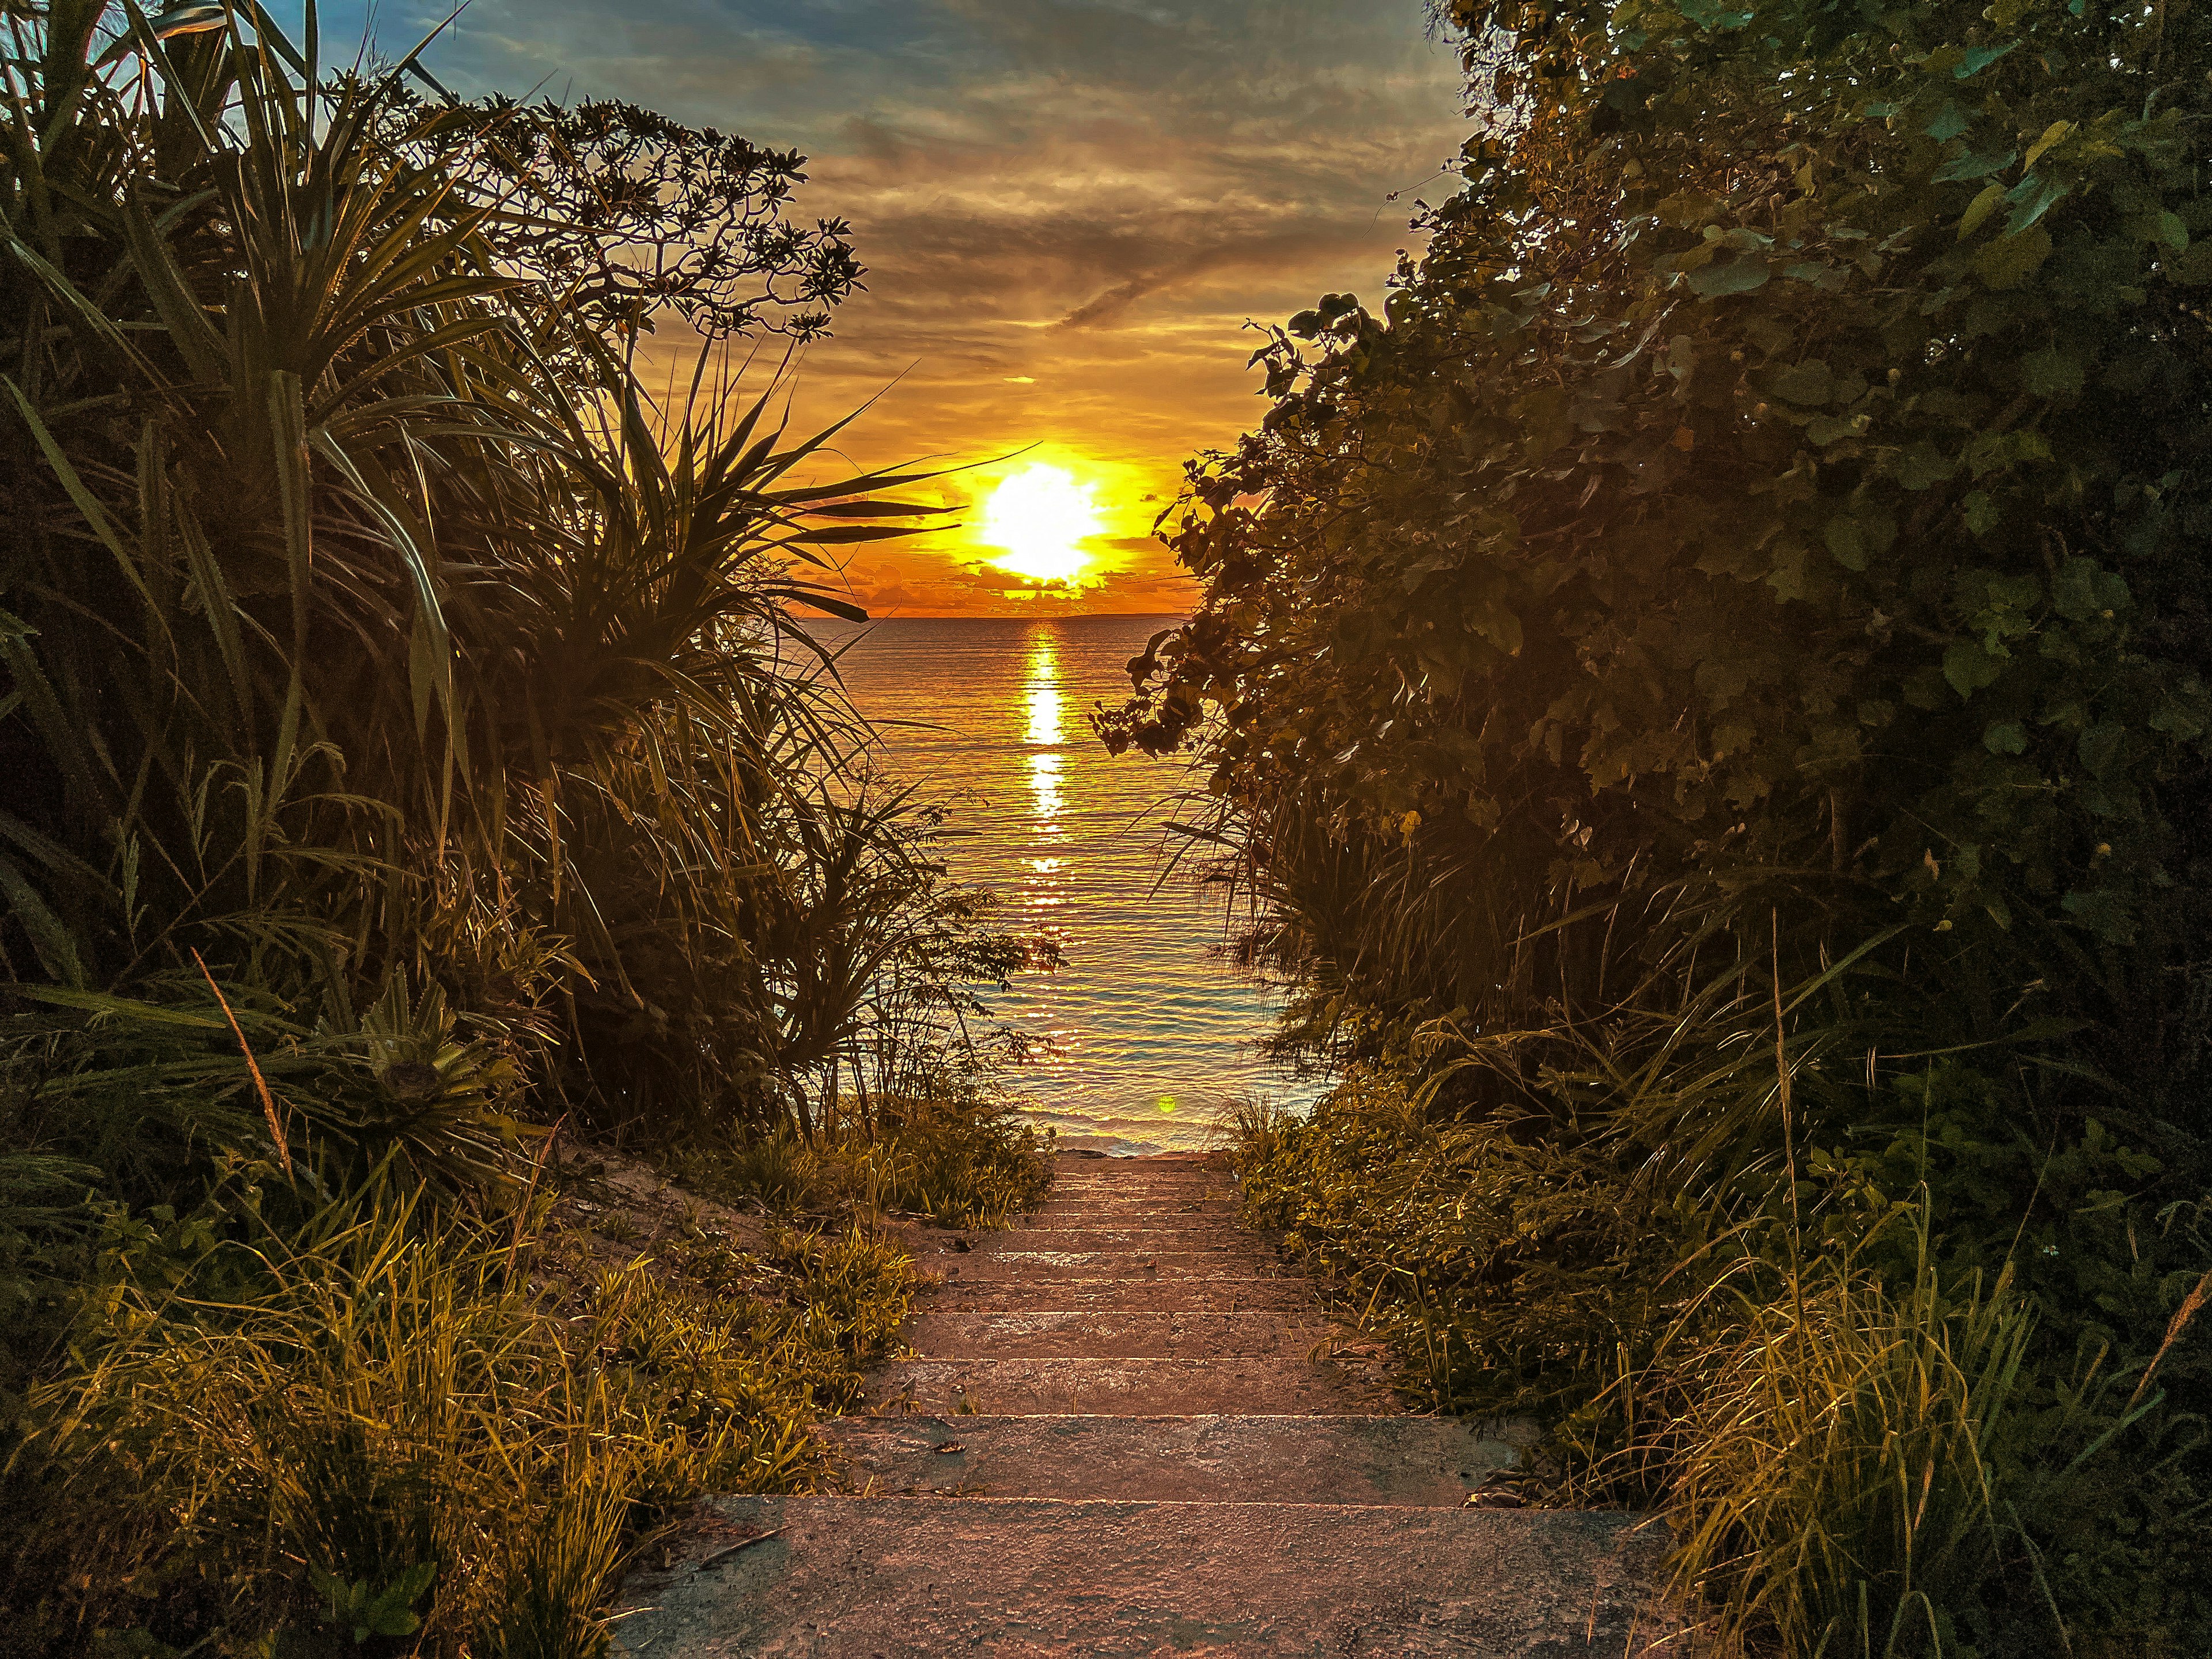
1041 517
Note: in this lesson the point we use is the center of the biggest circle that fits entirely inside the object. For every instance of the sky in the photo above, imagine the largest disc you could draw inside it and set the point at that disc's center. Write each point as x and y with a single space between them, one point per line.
1069 210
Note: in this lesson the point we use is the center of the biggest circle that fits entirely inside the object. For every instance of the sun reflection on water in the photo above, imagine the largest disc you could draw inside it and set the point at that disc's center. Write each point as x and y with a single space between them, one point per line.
1044 699
1047 882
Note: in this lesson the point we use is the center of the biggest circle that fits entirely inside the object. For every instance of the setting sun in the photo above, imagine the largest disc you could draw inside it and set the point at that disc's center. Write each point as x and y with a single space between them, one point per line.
1041 516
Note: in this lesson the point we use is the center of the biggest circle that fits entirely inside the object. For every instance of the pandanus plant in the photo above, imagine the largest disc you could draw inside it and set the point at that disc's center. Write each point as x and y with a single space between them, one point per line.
365 624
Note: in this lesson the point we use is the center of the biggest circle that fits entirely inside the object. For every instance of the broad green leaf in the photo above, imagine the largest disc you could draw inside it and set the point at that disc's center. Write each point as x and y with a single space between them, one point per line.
1808 383
1950 121
2051 372
1970 165
1722 277
1920 465
2031 199
1973 61
2011 260
2052 134
2100 745
1969 665
1978 210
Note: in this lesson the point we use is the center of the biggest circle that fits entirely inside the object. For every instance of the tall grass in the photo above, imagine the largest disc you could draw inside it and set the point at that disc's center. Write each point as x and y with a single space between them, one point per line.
1838 1476
385 1410
958 1162
1735 1241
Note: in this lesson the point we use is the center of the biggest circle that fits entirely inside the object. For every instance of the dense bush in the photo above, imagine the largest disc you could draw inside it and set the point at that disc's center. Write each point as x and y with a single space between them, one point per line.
1710 681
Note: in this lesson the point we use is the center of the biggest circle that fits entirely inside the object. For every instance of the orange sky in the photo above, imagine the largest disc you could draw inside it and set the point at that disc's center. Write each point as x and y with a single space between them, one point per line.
1068 208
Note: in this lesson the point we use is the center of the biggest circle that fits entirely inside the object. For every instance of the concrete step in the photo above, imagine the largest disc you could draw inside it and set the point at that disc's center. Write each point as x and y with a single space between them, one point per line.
1156 1335
1046 1266
1024 1577
1413 1462
1219 1219
1268 1385
1230 1292
1133 1215
1134 1238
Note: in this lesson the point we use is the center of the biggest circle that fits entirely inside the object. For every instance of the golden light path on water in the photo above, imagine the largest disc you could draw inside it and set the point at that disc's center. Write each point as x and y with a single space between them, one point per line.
1144 1030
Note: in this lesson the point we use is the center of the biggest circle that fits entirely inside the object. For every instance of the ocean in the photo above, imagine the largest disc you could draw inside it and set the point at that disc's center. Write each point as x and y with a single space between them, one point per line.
1144 1031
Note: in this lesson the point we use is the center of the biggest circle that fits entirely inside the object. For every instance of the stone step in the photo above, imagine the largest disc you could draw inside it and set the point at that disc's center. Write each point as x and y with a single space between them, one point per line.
1263 1384
1133 1215
1231 1293
1055 1334
1137 1238
1046 1266
1418 1462
904 1577
1223 1220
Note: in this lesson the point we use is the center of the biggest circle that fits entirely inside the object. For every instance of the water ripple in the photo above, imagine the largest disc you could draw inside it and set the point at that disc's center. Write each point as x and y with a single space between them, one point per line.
1142 1031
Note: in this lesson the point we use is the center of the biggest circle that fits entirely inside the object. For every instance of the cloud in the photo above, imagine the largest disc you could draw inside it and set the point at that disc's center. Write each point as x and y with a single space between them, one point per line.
1069 209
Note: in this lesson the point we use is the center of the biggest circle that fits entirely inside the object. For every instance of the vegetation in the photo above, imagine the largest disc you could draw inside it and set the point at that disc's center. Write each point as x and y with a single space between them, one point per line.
957 1161
1707 691
409 752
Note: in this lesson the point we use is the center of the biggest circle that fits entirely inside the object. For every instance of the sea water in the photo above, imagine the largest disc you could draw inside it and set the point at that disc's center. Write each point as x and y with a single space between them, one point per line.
1145 1030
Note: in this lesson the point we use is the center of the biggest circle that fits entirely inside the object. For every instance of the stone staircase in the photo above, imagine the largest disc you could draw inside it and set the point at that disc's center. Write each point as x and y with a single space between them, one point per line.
1118 1438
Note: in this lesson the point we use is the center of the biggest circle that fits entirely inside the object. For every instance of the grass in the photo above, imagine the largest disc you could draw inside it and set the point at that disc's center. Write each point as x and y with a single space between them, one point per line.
1839 1461
1504 1272
958 1163
395 1421
1860 1449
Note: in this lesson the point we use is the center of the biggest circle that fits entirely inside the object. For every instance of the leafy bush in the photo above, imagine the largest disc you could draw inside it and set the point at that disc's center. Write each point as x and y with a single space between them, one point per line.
1708 680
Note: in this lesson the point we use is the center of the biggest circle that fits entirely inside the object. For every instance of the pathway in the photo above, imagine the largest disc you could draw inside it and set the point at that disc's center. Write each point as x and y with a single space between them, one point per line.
1121 1442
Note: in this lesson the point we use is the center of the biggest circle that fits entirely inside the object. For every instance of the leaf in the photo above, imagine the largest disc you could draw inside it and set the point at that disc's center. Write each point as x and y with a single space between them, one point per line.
50 940
1969 665
104 1003
2173 232
2031 199
1844 544
1950 121
1920 465
2011 260
1970 165
2052 134
1720 277
2006 738
1975 59
1979 209
1808 383
2099 747
2051 372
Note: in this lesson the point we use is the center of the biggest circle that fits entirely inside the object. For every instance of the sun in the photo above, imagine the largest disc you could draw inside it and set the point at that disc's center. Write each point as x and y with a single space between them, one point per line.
1041 516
